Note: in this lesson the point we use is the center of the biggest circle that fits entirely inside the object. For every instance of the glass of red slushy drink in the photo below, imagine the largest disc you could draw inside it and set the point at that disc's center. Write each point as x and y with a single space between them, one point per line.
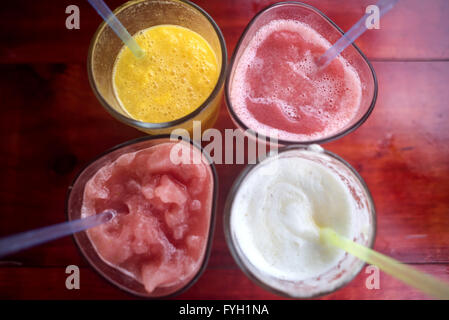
158 243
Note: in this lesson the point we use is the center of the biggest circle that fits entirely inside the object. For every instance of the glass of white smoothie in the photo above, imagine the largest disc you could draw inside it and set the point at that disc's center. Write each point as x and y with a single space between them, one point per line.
275 209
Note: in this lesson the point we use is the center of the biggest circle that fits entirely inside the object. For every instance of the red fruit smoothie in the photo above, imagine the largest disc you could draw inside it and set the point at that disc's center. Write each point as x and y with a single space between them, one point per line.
278 89
159 236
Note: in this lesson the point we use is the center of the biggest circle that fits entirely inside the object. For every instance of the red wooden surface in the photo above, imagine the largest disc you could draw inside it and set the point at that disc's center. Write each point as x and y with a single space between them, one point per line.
51 125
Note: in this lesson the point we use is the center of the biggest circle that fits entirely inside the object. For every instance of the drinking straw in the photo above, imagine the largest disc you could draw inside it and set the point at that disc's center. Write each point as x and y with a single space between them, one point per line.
417 279
107 15
35 237
349 37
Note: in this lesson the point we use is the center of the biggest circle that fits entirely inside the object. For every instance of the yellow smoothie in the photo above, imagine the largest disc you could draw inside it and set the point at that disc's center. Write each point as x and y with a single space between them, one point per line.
176 75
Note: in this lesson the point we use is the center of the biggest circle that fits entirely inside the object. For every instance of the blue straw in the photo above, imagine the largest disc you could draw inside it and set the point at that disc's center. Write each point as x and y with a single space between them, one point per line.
28 239
107 15
356 31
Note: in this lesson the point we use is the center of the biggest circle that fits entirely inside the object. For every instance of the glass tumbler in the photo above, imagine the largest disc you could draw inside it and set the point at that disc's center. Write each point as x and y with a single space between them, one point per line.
328 29
74 204
347 267
139 15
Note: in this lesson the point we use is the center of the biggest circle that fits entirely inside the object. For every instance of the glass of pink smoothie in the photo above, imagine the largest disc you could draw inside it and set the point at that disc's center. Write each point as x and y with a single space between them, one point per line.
164 193
275 89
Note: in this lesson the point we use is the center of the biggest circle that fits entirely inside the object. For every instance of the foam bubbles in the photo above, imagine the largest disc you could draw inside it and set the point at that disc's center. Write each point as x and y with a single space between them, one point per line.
177 74
277 70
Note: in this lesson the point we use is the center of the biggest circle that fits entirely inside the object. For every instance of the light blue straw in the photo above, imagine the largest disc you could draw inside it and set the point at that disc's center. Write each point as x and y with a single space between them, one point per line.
107 15
349 37
28 239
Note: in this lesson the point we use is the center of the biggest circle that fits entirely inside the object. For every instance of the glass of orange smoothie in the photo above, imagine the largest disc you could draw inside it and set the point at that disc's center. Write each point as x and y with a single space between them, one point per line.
164 194
180 78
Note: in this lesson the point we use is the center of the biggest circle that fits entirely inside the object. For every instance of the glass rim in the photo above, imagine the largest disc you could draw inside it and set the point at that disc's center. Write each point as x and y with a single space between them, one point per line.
213 213
333 137
233 246
168 124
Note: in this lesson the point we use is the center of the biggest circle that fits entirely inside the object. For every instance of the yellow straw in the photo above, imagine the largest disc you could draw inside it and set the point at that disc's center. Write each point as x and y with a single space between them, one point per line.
417 279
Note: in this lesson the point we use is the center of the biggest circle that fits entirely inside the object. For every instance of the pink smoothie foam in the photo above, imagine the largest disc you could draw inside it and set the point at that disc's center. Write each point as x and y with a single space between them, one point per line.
160 233
277 88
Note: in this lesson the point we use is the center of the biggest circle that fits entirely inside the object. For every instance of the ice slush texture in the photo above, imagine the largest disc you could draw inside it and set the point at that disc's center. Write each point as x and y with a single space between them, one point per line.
160 234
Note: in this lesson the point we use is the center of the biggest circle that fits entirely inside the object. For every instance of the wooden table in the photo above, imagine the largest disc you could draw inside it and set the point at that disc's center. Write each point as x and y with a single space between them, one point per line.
51 125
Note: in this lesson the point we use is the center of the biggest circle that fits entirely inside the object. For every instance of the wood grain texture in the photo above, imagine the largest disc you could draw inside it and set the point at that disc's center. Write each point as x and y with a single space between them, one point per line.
34 31
51 125
49 283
